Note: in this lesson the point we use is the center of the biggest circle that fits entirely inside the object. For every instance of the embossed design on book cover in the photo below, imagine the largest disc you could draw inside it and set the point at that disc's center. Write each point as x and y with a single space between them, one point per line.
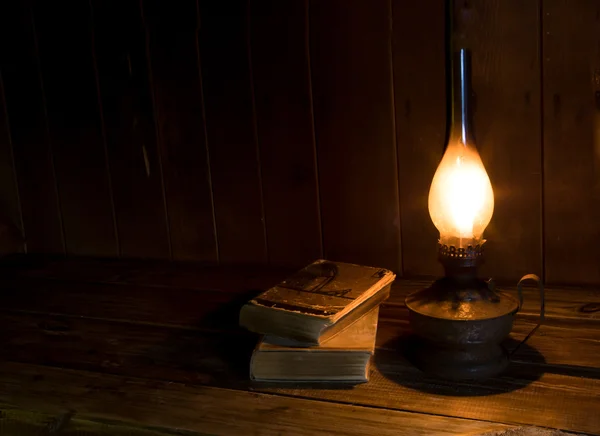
322 288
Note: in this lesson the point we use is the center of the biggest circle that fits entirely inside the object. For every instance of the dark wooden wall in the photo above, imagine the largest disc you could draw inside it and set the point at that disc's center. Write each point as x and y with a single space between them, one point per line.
269 131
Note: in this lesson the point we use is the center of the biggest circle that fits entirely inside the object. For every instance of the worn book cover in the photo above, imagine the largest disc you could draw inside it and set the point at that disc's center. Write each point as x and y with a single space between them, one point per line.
343 358
318 301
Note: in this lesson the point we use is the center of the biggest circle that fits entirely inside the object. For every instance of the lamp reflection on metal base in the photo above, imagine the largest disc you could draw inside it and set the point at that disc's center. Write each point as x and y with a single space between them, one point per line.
461 320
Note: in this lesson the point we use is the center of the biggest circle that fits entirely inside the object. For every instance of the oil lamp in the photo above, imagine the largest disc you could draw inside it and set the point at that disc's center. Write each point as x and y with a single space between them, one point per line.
461 319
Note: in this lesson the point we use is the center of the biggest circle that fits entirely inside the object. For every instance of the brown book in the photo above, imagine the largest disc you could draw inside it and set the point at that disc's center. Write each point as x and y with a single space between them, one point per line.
345 357
317 302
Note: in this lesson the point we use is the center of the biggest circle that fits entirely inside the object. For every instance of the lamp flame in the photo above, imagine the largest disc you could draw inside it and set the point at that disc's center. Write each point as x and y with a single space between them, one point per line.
461 199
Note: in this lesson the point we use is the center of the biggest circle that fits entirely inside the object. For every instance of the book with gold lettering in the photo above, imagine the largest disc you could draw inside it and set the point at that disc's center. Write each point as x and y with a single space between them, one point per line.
317 302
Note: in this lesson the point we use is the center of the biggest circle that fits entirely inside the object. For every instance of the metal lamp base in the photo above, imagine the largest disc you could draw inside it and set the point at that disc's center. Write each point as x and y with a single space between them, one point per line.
460 321
467 363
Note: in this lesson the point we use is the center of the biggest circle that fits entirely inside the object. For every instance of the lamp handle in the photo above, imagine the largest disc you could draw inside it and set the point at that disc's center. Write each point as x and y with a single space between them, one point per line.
542 305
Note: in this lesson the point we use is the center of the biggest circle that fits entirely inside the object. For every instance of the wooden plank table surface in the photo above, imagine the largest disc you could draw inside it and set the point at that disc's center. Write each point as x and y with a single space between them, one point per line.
133 347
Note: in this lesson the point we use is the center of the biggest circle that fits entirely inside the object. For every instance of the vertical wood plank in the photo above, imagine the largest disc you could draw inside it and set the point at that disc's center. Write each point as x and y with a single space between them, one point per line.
127 110
11 223
231 131
279 53
571 61
11 228
173 47
24 97
420 100
504 38
350 47
65 49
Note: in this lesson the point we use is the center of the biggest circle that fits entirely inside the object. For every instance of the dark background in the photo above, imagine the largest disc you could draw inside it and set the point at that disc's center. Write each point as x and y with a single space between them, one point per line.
279 131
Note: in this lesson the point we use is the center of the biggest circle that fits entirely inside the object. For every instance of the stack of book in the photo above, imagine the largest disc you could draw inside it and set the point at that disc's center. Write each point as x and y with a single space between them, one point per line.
319 324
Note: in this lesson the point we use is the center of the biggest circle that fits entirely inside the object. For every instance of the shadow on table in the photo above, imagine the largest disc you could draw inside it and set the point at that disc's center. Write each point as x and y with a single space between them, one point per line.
236 358
393 361
212 351
215 352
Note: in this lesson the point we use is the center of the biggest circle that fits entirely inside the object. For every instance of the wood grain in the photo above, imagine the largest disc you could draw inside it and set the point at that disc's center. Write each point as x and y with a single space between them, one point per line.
218 309
420 102
190 309
231 131
563 400
157 304
212 410
209 310
504 39
281 76
159 273
25 105
79 154
199 349
354 125
560 347
561 302
195 357
11 224
173 50
120 48
127 330
571 140
21 422
189 355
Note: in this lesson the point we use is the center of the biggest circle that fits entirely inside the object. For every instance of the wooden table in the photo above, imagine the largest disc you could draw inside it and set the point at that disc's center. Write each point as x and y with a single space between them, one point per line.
130 347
